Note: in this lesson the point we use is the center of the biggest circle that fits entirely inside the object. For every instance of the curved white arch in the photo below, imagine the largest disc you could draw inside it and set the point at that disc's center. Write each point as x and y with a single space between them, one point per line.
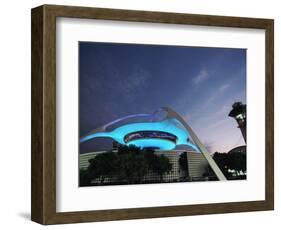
197 142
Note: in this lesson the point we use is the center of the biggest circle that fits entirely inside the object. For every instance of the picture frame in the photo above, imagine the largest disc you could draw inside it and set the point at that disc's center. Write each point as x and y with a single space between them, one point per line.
44 123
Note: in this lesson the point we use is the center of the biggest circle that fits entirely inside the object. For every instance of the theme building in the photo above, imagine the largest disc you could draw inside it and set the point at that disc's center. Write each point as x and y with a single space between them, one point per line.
164 130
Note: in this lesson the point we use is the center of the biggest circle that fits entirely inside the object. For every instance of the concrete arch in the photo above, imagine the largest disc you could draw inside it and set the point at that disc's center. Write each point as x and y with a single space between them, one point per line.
198 143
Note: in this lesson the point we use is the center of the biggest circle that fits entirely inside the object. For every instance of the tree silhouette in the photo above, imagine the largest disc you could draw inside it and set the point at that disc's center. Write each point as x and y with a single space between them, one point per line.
183 163
84 179
161 166
151 158
222 161
102 166
132 166
230 161
128 165
237 161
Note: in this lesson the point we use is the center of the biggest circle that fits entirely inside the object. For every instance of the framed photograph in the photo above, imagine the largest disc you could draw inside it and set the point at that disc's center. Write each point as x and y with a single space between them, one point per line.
140 114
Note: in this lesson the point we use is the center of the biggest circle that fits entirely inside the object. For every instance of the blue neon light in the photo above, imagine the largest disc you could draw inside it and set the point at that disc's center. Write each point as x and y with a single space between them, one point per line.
157 143
170 125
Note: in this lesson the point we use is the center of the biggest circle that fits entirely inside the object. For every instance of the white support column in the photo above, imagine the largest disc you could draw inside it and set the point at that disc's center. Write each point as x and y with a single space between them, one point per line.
198 143
206 154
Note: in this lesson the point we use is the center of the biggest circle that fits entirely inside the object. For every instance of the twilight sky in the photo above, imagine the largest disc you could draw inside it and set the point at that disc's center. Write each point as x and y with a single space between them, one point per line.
199 83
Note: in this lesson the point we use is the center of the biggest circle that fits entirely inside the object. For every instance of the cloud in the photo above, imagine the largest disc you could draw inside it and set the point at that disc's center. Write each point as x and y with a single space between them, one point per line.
216 124
224 87
215 95
201 76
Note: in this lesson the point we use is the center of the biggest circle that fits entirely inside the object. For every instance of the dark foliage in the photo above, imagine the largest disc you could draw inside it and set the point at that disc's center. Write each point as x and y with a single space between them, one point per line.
183 161
128 165
230 161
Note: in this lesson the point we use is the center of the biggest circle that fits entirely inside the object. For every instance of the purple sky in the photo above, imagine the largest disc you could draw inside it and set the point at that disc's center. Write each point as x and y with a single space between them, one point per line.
201 84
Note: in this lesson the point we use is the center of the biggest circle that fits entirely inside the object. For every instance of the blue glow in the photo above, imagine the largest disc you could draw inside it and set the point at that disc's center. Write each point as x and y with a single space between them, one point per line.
149 142
170 125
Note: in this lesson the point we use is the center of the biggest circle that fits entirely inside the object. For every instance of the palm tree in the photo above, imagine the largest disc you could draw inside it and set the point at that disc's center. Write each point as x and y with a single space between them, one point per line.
161 166
183 164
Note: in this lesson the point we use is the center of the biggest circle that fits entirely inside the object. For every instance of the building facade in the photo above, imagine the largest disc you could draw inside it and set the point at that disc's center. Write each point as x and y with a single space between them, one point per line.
196 167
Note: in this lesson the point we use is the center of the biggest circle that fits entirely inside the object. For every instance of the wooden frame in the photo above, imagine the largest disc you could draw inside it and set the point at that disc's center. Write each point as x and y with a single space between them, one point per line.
43 208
